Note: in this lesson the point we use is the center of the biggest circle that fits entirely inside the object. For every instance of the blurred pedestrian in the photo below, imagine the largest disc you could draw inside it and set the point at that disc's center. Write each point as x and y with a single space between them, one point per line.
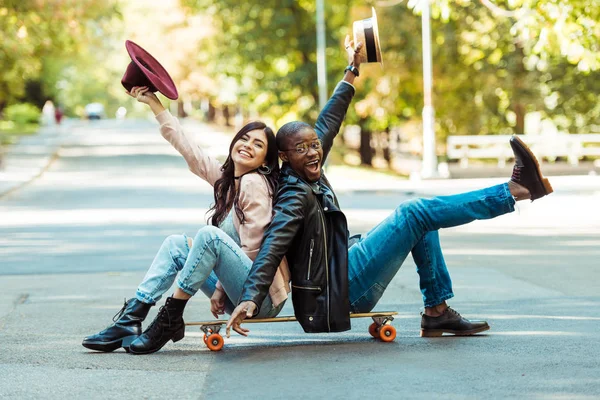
48 113
58 115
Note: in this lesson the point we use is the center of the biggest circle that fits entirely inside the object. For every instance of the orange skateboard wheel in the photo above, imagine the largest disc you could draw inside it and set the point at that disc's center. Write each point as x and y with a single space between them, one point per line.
387 333
374 330
204 338
215 342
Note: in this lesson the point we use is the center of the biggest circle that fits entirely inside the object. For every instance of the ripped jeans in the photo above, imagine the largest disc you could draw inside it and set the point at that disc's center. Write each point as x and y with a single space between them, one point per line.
413 228
213 256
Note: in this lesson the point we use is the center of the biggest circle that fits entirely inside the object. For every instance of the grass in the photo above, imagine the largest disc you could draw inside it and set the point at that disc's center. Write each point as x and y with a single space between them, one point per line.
9 131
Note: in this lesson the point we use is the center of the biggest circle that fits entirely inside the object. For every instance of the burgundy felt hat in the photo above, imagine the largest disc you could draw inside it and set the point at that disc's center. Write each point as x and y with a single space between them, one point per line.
145 70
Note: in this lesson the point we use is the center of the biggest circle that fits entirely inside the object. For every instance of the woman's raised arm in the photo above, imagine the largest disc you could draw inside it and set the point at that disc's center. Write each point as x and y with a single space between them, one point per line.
198 161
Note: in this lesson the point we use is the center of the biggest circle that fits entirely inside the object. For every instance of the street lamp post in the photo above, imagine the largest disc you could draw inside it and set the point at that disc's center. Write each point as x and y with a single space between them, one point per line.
429 165
321 66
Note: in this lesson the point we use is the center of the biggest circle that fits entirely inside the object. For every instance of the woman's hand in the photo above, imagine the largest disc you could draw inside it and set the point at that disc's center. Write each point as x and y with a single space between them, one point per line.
217 303
144 95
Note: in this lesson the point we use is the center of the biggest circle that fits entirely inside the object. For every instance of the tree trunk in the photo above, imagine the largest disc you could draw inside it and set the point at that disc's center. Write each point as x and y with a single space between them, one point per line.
520 83
226 115
366 151
180 110
210 115
385 146
519 109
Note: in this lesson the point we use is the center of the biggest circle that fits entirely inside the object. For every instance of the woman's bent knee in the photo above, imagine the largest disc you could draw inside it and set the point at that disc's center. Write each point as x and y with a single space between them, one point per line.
175 241
208 232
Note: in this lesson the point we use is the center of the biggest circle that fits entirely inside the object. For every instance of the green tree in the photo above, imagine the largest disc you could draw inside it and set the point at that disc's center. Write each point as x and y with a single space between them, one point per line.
269 49
41 39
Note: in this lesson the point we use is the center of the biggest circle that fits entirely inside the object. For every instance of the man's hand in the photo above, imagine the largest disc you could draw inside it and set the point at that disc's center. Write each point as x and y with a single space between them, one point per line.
242 311
352 52
217 303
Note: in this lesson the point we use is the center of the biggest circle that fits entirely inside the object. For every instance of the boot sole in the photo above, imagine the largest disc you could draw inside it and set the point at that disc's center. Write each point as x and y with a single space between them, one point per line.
176 338
108 347
440 332
545 188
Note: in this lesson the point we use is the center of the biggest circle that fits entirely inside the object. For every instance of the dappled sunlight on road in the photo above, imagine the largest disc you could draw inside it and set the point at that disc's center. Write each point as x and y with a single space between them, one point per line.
539 333
526 316
500 251
104 217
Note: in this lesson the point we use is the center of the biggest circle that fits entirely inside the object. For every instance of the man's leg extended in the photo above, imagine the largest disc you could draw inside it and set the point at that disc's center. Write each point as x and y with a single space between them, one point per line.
375 259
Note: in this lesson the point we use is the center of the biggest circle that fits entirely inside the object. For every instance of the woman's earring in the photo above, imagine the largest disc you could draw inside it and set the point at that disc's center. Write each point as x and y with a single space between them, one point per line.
264 169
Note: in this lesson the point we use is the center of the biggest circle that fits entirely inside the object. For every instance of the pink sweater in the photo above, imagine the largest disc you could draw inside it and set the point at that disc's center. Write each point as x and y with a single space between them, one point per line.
254 200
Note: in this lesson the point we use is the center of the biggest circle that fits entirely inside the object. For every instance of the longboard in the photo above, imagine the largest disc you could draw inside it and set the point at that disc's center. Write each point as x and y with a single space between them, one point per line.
381 327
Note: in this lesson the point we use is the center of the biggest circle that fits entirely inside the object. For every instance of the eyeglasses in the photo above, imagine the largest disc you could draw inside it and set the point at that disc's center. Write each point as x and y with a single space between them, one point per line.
302 148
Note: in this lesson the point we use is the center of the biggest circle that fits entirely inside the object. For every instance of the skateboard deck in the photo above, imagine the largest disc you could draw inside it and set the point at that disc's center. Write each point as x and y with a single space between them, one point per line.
381 327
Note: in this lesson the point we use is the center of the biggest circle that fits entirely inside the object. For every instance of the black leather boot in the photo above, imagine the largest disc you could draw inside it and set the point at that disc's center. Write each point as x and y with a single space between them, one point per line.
526 171
126 328
168 325
450 322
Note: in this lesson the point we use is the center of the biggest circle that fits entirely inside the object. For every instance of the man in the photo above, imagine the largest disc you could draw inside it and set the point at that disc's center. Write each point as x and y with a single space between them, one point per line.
331 278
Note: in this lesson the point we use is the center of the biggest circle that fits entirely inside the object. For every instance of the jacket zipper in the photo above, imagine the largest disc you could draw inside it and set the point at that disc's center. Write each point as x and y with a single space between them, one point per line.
307 287
312 245
326 262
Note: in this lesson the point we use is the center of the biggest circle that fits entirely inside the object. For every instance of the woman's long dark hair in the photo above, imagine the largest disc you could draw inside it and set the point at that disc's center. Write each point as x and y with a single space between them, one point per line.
225 194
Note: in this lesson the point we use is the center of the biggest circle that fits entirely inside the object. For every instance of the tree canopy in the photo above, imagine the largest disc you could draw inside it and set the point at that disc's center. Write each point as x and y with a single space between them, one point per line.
495 61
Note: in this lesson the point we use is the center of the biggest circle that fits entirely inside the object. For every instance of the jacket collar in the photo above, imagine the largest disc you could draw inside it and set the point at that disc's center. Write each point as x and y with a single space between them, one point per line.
288 174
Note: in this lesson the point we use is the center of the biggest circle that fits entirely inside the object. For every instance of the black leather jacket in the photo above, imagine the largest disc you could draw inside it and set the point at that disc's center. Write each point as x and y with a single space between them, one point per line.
311 231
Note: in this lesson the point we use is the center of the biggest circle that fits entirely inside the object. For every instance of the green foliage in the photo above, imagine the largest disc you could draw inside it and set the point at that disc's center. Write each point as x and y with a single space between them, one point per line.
36 33
502 59
269 49
494 60
22 114
489 69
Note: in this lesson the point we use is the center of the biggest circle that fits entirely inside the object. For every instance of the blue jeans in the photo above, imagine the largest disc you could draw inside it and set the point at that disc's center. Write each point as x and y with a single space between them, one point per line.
213 256
413 228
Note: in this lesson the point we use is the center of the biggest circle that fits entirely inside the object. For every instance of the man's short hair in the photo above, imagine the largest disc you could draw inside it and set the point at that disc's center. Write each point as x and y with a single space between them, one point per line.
287 131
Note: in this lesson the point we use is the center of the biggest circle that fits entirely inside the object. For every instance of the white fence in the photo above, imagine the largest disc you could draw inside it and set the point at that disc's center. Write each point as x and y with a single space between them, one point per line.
573 147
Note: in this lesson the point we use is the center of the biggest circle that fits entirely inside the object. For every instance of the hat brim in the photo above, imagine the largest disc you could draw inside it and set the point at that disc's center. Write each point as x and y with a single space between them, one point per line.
367 32
152 69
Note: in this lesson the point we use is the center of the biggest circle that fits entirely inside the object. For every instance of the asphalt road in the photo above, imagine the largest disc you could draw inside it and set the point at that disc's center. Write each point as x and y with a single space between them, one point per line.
77 241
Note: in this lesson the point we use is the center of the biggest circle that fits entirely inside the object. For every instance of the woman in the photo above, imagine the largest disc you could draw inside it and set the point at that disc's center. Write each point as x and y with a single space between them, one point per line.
218 259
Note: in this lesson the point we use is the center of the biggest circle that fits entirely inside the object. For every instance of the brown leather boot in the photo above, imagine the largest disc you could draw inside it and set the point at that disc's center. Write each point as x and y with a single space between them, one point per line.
526 171
450 322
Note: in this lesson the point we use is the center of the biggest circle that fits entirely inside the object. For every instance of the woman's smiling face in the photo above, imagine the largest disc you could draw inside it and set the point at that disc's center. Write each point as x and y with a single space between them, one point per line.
249 152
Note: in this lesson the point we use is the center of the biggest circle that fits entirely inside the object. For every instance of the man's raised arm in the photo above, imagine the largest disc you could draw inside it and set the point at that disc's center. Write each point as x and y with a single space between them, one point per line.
331 117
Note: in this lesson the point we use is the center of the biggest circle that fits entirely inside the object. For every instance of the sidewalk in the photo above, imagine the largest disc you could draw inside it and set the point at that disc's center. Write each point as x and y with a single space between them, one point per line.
30 157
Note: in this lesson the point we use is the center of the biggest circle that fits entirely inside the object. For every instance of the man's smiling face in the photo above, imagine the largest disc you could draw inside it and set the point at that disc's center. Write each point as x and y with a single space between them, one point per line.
304 154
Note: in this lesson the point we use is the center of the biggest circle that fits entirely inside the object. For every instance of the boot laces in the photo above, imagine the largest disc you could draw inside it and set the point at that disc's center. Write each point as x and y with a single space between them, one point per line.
516 175
163 315
119 314
453 312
